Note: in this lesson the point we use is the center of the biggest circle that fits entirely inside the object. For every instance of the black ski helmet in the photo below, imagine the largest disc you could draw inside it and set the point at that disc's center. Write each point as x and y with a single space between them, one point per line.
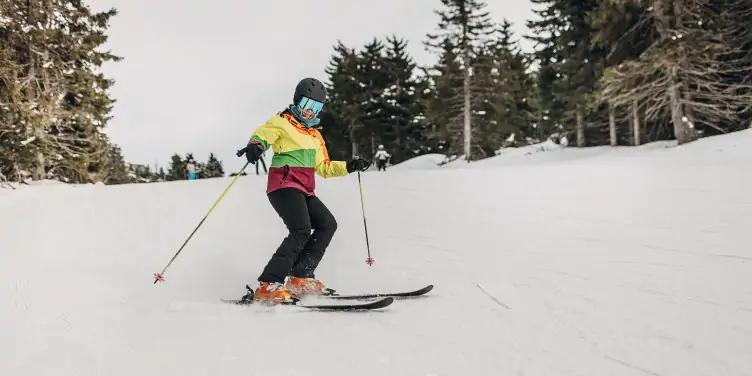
311 88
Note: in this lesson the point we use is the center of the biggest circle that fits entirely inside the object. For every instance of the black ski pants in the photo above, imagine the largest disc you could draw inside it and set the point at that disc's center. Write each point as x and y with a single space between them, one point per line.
300 252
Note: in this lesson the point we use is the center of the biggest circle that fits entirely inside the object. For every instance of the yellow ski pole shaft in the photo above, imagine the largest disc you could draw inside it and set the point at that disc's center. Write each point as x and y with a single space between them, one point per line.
159 277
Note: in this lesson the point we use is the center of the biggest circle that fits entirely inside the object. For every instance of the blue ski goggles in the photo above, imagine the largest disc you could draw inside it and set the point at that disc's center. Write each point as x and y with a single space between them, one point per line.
311 105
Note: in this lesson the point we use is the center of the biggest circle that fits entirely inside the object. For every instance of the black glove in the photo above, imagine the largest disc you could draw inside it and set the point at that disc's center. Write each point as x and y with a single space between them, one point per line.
252 152
358 164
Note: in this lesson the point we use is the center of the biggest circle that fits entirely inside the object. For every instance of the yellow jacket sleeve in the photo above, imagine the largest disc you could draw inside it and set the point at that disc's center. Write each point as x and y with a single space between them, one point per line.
329 169
268 133
324 167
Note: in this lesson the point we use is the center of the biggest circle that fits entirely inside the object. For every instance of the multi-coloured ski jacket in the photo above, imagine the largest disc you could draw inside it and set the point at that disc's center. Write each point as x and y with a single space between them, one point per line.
299 152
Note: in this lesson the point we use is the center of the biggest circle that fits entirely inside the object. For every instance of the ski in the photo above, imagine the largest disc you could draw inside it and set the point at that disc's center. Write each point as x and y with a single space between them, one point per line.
377 304
404 294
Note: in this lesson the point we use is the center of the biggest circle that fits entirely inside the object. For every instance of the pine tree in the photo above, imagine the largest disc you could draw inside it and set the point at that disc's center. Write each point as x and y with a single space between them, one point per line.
31 86
444 110
213 167
200 170
403 134
684 73
463 24
54 104
374 81
117 171
569 62
87 94
177 169
141 173
340 116
487 113
622 36
580 68
505 111
546 32
739 14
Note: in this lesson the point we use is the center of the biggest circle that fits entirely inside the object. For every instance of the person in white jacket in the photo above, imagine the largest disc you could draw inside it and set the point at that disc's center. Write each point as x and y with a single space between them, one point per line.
382 157
191 167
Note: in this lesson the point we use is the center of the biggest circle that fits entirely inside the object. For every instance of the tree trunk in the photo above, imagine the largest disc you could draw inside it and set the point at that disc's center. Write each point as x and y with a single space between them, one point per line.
682 130
3 180
688 99
397 131
635 123
679 89
580 127
668 16
36 124
39 167
353 140
468 128
612 126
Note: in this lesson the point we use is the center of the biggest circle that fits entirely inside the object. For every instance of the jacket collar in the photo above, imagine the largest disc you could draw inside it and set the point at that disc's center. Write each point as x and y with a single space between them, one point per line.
290 117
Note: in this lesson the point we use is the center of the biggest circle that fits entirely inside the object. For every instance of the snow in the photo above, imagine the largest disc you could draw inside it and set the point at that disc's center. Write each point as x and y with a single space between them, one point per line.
732 149
423 162
28 140
623 261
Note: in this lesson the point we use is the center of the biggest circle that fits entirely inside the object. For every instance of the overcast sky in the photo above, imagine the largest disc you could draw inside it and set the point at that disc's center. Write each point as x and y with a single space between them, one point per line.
200 75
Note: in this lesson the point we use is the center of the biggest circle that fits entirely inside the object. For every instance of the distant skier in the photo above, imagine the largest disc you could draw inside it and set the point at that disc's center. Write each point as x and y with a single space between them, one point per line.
191 167
261 159
299 152
382 157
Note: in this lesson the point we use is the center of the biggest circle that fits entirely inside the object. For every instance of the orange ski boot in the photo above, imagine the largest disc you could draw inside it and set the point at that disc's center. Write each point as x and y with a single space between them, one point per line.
300 287
272 293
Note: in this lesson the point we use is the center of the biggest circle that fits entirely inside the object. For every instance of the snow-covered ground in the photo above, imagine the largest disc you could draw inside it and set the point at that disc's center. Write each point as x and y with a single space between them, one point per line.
565 262
423 162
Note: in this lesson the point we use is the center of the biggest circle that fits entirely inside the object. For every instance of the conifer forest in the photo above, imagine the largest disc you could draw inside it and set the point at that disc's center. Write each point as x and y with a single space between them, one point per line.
602 72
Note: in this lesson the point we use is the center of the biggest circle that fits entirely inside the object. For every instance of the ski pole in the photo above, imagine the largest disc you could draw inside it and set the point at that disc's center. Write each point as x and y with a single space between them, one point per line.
159 277
369 260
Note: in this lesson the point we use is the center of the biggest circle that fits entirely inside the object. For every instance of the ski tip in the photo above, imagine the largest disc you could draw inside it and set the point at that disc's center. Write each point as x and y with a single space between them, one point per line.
416 293
377 304
381 303
384 302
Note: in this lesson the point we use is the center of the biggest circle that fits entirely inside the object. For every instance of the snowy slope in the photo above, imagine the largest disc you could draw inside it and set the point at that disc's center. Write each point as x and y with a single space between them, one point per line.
727 149
423 162
624 262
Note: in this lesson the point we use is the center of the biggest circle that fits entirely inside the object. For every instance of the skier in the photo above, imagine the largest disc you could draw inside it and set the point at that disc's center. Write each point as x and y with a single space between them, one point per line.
191 167
299 152
382 156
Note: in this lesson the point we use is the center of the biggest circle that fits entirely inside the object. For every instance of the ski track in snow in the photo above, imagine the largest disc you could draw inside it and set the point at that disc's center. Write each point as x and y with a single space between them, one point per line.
626 262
